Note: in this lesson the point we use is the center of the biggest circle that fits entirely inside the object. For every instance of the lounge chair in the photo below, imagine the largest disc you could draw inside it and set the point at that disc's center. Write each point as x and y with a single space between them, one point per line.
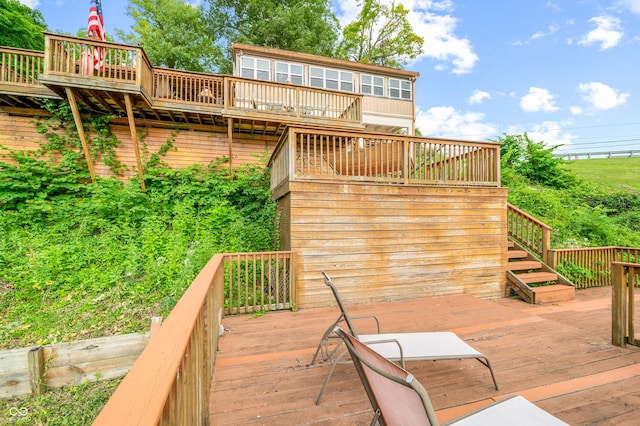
399 347
398 398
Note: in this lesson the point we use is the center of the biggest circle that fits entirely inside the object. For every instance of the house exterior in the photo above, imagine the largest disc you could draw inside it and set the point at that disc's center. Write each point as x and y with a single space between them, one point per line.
388 94
387 214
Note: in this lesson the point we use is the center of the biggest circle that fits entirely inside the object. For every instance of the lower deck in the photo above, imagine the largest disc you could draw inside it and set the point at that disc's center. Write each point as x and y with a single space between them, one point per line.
558 356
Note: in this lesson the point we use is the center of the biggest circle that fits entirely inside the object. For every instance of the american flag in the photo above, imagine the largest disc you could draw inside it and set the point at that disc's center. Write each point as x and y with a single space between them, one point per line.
96 31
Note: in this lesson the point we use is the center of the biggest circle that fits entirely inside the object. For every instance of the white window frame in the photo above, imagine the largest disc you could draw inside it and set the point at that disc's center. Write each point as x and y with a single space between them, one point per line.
291 77
255 66
402 87
372 85
331 79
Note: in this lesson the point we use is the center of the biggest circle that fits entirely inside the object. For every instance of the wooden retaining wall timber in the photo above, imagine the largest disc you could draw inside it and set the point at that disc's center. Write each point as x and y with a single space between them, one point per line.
394 242
191 146
27 370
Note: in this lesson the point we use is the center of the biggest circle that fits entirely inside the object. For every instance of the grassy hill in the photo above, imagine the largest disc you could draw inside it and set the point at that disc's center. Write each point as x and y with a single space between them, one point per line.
622 172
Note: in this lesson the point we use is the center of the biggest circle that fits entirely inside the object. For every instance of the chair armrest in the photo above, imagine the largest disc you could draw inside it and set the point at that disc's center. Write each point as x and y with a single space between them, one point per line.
369 316
375 342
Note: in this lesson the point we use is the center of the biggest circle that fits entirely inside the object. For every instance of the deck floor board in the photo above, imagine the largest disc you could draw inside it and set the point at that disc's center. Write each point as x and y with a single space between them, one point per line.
558 356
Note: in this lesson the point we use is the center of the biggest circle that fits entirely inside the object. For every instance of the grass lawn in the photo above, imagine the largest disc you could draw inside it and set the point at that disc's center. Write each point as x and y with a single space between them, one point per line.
622 172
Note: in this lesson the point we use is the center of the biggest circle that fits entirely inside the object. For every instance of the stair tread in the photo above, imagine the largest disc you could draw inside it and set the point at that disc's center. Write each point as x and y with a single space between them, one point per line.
537 277
551 288
523 265
553 293
514 254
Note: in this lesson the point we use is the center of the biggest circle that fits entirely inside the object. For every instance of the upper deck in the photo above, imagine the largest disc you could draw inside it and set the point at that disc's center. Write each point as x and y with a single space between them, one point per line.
252 103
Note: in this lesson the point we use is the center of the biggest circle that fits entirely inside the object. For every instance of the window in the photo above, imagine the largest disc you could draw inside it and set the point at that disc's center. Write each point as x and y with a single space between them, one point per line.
330 79
399 89
371 85
286 72
255 68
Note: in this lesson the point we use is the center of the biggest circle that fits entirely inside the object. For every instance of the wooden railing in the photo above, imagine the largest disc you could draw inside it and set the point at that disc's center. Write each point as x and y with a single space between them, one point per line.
590 267
188 87
170 382
624 280
383 158
259 282
93 58
529 231
292 100
121 63
20 66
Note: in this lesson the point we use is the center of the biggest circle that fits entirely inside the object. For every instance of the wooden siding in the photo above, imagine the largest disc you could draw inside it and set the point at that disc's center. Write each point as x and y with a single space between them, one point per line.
192 146
394 242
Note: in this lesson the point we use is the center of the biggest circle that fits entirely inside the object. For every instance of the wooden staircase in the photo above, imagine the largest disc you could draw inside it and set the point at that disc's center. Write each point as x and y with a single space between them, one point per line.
534 281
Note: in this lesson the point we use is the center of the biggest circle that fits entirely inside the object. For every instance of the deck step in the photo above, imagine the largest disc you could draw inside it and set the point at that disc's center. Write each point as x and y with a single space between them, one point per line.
524 265
538 277
553 293
517 254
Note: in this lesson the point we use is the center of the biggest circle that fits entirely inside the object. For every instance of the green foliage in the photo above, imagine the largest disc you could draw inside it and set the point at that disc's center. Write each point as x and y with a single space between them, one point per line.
580 214
21 26
71 405
174 34
307 27
532 160
381 35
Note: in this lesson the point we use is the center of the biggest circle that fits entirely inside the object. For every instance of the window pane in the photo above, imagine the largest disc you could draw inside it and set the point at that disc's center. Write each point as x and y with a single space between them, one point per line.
316 72
378 81
366 79
247 73
406 85
262 75
263 64
296 79
281 67
296 69
332 74
332 84
378 91
247 62
281 78
315 82
346 86
394 93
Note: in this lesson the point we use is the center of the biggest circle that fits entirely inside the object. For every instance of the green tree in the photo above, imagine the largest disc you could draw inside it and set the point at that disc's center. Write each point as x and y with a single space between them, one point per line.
21 26
381 35
173 33
294 25
533 161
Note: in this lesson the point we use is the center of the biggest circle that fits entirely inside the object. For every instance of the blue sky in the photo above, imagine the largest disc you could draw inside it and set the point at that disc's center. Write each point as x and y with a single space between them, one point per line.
566 72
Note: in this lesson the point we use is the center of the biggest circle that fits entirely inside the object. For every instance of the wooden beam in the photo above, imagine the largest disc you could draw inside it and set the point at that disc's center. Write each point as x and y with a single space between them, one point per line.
83 140
134 138
230 141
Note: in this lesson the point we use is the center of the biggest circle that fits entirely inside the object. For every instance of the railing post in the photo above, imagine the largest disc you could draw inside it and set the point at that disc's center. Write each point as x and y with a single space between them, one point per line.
405 166
546 244
618 305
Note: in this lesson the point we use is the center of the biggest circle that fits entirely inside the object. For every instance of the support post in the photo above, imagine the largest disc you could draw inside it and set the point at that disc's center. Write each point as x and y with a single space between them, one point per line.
134 138
619 305
36 370
230 141
83 140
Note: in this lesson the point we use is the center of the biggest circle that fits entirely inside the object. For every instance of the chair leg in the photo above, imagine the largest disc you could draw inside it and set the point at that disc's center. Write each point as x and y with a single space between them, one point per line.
485 361
334 362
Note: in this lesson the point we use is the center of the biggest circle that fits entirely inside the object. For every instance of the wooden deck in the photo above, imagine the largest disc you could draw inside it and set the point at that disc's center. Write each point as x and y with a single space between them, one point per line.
559 356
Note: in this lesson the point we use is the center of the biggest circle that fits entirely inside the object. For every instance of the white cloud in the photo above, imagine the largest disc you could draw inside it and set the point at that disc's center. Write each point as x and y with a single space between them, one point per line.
576 110
445 121
607 33
33 4
538 35
478 96
538 100
430 19
632 6
549 132
600 96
